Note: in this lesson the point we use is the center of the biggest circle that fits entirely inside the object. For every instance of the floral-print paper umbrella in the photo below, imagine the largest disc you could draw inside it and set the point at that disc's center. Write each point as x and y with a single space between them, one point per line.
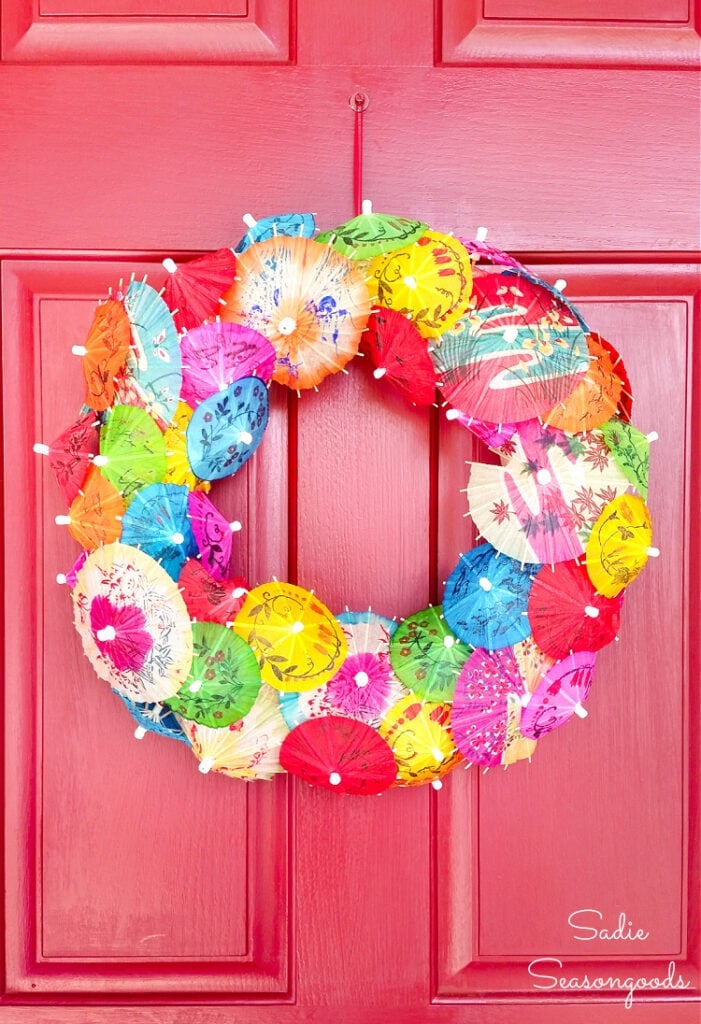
299 643
311 302
400 356
560 695
620 544
95 515
133 623
209 599
215 355
566 613
104 353
631 450
224 678
339 753
132 450
486 598
518 351
426 655
370 234
153 375
71 453
226 429
419 735
248 749
481 707
192 290
289 225
480 249
157 522
213 534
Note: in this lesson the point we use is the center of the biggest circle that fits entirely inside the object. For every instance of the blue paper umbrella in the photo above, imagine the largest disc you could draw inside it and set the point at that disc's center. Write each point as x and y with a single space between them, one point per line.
486 598
154 364
157 522
293 225
153 717
226 429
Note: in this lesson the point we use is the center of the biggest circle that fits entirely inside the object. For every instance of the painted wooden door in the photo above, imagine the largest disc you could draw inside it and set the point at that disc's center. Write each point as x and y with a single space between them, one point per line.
137 891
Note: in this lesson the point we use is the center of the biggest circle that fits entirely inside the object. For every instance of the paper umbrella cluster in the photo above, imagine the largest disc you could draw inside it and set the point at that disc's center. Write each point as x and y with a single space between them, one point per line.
263 679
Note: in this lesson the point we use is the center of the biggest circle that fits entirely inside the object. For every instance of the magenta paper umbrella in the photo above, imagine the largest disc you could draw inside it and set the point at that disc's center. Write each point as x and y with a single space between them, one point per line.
560 695
495 435
481 709
213 534
339 753
480 249
215 355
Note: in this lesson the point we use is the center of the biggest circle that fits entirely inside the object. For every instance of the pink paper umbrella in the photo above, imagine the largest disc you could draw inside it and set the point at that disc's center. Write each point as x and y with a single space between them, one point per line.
213 533
560 695
215 355
481 704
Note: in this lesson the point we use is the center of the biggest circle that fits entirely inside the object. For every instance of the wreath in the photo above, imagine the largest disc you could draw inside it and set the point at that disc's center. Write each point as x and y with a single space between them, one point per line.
260 678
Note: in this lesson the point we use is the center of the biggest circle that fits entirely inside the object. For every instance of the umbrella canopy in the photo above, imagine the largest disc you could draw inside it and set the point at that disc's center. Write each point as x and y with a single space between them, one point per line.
132 450
516 746
419 735
152 716
192 290
226 429
399 354
178 468
481 705
479 249
133 623
428 281
495 435
311 302
370 234
594 398
104 353
620 544
426 655
153 365
631 451
209 599
71 453
248 749
157 522
518 352
289 225
560 695
95 515
298 642
224 678
339 753
540 506
486 598
213 534
215 355
566 613
532 662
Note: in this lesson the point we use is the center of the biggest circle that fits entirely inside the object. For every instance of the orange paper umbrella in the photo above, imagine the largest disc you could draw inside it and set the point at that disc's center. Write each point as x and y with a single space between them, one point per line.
595 398
104 353
620 544
95 516
307 299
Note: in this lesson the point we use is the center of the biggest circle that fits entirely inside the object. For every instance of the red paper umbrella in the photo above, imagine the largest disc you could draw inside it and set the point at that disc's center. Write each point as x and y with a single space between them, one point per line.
207 599
193 289
213 533
70 454
625 402
399 353
566 613
339 753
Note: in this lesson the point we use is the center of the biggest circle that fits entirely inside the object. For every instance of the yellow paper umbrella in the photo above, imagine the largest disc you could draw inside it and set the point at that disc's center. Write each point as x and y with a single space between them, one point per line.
95 515
178 469
298 642
418 733
429 282
620 544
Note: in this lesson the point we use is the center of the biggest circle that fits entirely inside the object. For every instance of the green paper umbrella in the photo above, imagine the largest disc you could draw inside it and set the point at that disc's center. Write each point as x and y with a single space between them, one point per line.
224 679
631 451
427 656
371 234
132 450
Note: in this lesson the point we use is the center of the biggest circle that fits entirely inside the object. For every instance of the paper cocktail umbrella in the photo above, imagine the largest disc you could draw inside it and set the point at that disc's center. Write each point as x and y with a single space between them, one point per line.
192 290
104 353
308 300
226 429
95 515
596 397
213 534
631 450
486 599
566 613
215 355
339 753
133 623
560 695
209 599
152 375
178 468
481 704
426 655
157 522
419 735
132 450
480 249
371 234
289 225
620 544
224 678
152 717
298 642
71 453
495 435
399 354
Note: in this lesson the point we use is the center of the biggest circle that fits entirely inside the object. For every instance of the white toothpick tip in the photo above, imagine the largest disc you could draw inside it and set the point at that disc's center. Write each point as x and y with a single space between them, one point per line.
525 699
62 520
235 526
170 265
580 711
653 552
41 449
249 220
206 765
591 611
177 538
79 350
361 679
334 779
543 476
379 373
61 578
485 583
410 281
244 437
106 633
139 732
195 685
481 234
437 784
366 207
510 333
448 641
560 284
100 460
452 414
237 593
297 627
437 754
652 436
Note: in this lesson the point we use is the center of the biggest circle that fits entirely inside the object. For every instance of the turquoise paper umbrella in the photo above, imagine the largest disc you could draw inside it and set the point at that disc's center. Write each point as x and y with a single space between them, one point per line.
292 225
157 522
226 429
153 365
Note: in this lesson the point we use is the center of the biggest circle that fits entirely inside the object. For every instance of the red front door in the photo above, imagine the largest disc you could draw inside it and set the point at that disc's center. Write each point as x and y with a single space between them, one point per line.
139 891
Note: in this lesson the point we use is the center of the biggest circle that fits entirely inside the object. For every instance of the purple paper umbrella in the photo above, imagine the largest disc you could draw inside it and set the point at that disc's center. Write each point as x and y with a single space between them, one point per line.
215 355
561 694
213 534
480 704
